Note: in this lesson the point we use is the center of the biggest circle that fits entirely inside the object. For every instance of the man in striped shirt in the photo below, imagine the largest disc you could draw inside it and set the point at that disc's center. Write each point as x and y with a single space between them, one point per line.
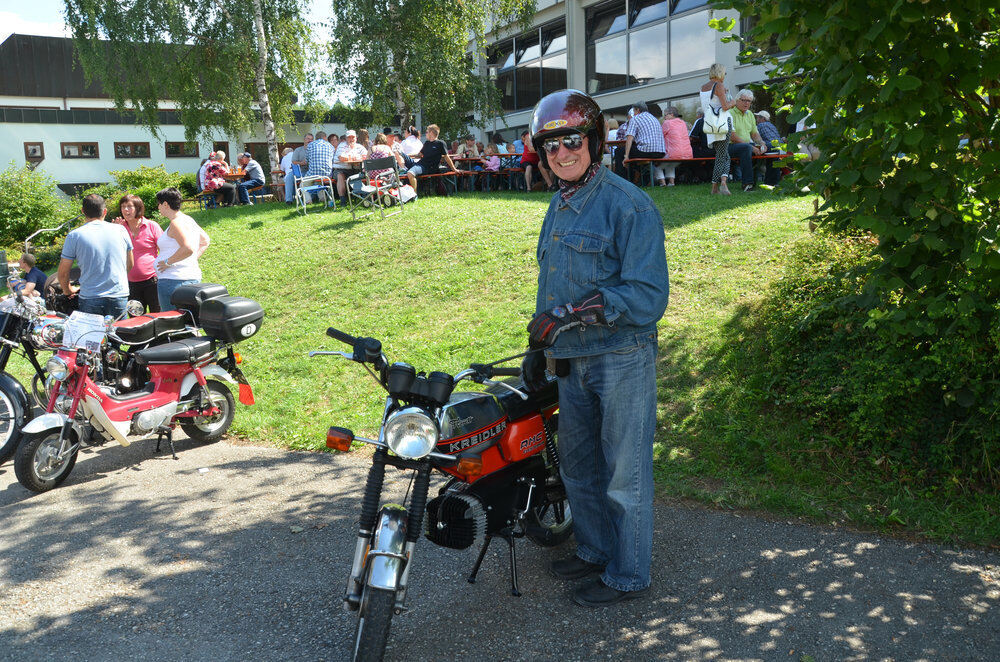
643 139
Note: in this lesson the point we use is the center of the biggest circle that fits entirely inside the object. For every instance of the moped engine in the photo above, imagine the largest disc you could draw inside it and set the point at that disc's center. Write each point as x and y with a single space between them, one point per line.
456 518
149 421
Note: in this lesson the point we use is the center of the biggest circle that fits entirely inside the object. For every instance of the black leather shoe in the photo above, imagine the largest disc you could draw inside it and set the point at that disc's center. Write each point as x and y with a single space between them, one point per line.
573 568
599 594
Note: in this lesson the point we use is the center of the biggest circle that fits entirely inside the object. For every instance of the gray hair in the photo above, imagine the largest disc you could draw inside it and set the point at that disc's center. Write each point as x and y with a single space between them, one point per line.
321 135
745 94
640 106
717 71
672 110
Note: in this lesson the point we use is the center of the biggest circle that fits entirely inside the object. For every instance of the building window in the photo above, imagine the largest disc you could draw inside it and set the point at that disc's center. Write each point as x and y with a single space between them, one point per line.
634 42
79 150
181 149
34 152
529 65
131 150
224 146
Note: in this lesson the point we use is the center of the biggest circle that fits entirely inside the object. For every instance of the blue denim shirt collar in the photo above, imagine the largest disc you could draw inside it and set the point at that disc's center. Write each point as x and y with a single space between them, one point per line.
580 199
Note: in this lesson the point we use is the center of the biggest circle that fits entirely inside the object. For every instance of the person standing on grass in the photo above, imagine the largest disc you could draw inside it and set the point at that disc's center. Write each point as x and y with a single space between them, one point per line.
104 252
179 247
714 98
144 234
602 288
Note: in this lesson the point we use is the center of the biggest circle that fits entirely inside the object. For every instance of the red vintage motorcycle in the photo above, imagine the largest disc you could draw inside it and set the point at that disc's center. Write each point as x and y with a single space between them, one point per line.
498 448
185 387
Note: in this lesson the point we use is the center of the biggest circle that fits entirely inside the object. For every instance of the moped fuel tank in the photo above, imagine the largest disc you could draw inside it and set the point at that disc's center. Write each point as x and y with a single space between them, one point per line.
470 423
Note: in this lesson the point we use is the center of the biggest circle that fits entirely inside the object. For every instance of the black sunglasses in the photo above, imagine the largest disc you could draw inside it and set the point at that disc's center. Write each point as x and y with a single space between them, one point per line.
573 142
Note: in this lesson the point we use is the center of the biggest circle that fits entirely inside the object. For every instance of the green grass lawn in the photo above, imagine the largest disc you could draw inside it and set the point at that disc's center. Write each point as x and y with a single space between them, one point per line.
452 282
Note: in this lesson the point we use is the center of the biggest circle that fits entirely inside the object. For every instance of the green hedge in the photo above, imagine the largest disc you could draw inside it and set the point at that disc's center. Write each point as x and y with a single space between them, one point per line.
809 353
143 182
28 201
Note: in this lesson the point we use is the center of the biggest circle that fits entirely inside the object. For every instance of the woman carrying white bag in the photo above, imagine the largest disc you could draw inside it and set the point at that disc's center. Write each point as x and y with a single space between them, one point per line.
715 104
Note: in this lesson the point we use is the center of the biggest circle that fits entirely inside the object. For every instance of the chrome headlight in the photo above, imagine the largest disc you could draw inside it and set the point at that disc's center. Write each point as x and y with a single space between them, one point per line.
57 368
411 433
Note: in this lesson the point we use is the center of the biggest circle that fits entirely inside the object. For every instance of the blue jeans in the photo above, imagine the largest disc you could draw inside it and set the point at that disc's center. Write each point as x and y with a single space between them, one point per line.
242 187
165 287
114 306
743 152
607 418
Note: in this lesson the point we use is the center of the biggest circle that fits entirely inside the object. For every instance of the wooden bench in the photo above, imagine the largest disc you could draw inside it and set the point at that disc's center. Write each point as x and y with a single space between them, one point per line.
697 159
449 178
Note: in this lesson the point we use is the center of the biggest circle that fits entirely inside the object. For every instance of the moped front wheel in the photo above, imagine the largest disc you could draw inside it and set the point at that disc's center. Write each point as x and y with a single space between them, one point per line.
12 415
37 464
374 619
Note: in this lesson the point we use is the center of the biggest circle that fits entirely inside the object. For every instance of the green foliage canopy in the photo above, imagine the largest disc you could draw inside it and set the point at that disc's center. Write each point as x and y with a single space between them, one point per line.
398 56
202 54
904 95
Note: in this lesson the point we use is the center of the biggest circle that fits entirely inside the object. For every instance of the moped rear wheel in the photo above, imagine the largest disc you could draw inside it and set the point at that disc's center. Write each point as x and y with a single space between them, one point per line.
11 421
37 464
207 429
374 619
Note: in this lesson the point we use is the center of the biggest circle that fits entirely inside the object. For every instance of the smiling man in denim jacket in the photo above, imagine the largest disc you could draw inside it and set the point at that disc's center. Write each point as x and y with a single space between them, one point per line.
602 287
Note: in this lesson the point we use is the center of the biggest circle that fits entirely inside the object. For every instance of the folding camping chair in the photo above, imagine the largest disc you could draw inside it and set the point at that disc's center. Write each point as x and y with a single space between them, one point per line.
375 188
312 185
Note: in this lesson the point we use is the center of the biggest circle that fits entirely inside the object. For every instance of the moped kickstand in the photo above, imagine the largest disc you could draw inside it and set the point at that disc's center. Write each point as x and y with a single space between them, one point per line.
167 432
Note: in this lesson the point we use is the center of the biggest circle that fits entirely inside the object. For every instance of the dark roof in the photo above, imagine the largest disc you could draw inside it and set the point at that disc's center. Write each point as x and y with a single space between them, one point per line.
36 66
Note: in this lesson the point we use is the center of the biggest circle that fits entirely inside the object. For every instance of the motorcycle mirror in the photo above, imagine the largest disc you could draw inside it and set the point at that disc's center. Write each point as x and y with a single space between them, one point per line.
134 308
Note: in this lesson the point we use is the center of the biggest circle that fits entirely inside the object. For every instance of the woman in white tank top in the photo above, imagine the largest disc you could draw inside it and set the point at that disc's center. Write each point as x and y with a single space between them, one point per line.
713 97
179 247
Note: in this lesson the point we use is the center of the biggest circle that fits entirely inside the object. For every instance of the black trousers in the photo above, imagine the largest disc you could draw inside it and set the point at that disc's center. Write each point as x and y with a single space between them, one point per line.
227 192
145 291
634 153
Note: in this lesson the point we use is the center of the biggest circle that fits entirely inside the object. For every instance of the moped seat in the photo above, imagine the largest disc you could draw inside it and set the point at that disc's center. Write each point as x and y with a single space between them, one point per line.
170 321
537 401
179 351
136 330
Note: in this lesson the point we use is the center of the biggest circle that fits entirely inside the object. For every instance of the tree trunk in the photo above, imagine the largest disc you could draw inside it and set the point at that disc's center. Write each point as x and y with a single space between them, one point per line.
262 98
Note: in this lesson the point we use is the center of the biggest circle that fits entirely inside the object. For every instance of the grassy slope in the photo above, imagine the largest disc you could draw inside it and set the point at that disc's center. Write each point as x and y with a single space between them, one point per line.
452 281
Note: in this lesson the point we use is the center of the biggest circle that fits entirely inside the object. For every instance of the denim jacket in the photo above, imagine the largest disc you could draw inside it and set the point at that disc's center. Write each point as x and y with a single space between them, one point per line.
608 237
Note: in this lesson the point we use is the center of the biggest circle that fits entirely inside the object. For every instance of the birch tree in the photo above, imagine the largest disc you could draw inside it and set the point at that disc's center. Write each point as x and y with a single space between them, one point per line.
227 65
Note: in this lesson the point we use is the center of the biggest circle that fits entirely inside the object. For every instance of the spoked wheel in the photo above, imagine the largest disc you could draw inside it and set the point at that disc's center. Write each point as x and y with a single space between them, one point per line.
37 463
374 619
12 416
551 522
211 428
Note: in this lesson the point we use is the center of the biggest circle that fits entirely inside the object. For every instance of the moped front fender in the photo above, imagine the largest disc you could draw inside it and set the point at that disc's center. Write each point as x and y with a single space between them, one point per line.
387 555
45 422
210 370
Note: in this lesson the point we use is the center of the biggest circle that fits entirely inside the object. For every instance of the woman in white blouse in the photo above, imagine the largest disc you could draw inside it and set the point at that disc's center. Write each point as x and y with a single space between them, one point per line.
179 247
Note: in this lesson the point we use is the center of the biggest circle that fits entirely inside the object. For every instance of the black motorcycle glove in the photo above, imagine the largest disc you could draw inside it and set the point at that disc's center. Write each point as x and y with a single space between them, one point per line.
545 327
533 371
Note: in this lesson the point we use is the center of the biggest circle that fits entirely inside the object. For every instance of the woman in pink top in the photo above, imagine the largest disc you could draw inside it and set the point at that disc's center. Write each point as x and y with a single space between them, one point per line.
144 234
675 135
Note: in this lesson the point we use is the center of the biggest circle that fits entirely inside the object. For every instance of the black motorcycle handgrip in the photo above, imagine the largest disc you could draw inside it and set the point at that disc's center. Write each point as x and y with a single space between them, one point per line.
341 336
506 372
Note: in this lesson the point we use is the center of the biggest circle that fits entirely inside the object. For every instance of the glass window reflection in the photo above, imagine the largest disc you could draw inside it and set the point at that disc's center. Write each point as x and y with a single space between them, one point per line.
684 5
528 85
648 54
554 73
647 11
606 60
607 20
692 43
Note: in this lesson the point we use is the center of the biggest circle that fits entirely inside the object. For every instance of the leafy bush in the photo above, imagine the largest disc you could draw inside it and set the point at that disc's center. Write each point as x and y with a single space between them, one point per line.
28 201
189 184
926 406
903 360
129 180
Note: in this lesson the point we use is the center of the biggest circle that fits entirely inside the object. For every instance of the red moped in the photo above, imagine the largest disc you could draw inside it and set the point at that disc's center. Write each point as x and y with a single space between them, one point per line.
185 388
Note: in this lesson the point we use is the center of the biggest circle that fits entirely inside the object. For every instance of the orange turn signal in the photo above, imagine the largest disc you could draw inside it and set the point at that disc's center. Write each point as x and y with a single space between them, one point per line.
339 439
239 359
470 466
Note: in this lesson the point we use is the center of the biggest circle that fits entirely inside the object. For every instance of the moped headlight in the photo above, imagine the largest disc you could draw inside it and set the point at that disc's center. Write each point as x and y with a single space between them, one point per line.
411 433
57 368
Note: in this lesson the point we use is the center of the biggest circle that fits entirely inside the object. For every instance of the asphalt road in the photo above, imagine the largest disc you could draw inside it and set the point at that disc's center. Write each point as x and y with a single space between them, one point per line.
241 553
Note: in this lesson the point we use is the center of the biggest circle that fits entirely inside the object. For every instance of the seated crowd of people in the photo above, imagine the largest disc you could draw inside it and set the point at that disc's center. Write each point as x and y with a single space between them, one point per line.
647 133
